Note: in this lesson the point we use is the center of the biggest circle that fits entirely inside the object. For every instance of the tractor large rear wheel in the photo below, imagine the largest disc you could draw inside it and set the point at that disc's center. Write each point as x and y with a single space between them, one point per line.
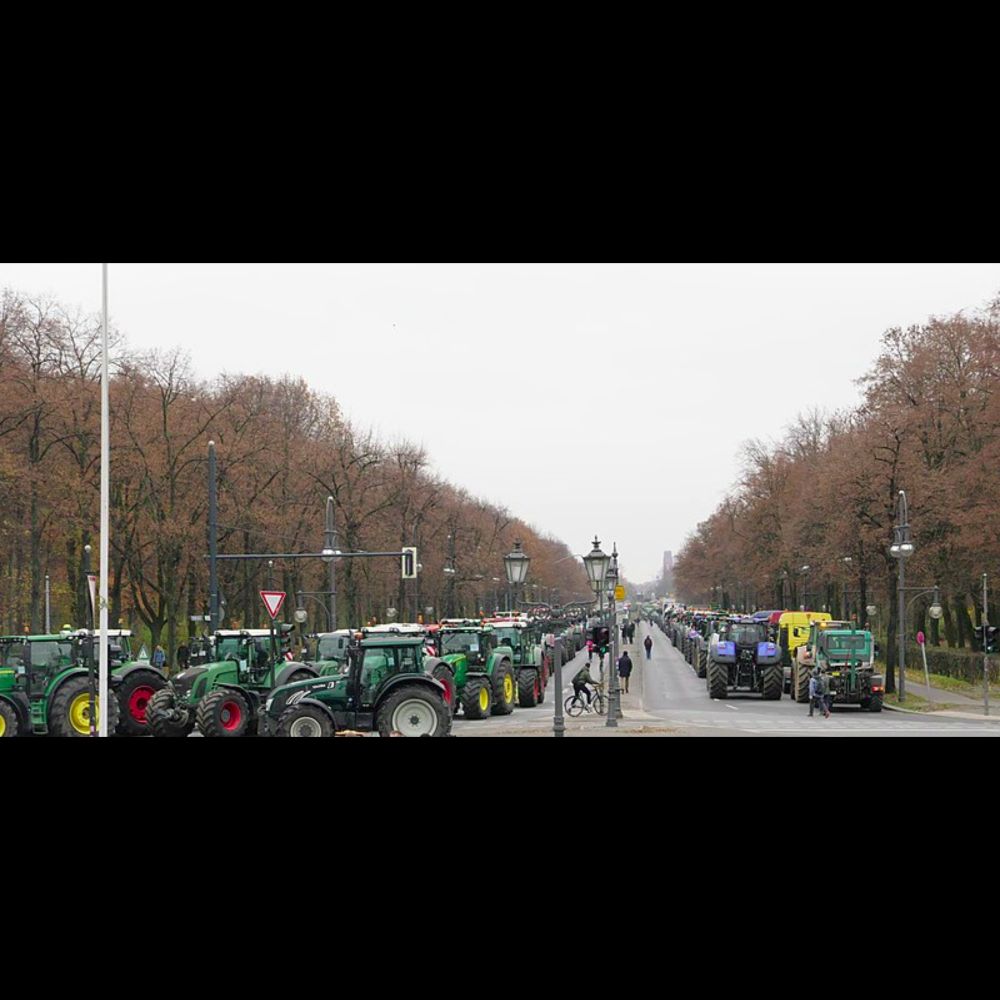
9 722
718 679
69 710
703 664
134 696
477 698
444 674
413 710
528 688
504 689
224 713
163 718
774 681
800 685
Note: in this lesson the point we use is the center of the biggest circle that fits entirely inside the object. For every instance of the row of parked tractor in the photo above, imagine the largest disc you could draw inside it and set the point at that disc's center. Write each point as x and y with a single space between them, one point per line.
771 653
408 680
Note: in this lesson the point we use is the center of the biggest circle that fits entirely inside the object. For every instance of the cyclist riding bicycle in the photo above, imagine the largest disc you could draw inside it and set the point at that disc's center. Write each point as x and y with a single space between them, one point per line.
581 683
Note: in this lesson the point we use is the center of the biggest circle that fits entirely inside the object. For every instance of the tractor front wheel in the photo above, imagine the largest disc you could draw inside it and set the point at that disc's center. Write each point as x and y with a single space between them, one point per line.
9 722
477 698
875 705
304 720
504 689
134 696
224 713
69 711
163 718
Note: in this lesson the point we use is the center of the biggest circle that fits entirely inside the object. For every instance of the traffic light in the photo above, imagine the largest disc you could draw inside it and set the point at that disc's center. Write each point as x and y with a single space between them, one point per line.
601 637
986 635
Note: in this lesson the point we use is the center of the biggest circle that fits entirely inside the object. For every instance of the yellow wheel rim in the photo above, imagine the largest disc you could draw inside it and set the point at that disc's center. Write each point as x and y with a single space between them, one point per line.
508 689
79 713
484 699
3 727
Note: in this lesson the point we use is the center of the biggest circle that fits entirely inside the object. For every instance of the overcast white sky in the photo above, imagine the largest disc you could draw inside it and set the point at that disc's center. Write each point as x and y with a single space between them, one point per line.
625 390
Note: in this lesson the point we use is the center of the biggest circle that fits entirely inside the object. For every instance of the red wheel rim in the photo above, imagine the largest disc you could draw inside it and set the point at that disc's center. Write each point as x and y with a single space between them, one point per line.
230 716
137 702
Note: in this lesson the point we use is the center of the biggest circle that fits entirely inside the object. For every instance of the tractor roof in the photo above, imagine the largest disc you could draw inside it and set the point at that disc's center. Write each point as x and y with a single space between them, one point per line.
393 641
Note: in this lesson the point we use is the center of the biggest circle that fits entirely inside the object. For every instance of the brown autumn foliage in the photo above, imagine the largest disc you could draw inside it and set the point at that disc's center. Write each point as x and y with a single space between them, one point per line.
930 425
282 449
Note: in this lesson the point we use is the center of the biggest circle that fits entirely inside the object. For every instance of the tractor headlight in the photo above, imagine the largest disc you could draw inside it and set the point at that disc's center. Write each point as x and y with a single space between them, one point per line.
268 704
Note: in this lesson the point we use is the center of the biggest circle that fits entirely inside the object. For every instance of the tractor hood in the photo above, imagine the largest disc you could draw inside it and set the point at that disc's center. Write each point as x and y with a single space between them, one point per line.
184 681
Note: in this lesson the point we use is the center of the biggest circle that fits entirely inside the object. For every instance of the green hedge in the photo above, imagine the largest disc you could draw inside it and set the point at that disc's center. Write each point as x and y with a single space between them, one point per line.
963 664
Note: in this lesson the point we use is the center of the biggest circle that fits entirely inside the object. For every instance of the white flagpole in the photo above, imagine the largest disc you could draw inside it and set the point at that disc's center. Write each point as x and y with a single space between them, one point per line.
105 518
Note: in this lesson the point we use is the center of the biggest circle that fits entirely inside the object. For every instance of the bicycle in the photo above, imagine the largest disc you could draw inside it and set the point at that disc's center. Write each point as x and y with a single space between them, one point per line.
576 705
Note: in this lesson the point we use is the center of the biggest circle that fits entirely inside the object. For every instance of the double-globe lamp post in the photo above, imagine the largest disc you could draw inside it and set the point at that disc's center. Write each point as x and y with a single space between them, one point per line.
901 550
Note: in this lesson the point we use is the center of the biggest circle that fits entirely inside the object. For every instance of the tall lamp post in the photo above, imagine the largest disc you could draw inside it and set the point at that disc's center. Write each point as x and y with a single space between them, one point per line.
611 582
596 565
804 572
516 564
901 549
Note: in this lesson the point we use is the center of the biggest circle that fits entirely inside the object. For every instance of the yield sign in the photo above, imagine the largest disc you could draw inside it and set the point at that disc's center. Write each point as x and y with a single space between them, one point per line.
273 600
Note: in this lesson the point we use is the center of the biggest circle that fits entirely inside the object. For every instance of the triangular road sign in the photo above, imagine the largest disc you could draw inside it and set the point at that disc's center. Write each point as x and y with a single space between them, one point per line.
273 601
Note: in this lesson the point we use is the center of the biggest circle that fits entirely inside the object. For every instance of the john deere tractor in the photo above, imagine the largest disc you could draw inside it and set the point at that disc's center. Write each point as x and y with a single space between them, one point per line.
483 669
386 684
531 666
45 686
224 698
744 660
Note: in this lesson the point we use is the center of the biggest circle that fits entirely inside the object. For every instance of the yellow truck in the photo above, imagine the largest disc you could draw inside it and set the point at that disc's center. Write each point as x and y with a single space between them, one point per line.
793 632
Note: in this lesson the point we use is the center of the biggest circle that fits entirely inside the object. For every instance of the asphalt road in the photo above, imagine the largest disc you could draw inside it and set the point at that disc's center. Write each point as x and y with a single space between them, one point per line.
668 699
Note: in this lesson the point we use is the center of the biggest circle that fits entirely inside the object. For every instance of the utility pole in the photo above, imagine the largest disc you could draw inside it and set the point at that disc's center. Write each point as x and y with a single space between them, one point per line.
986 646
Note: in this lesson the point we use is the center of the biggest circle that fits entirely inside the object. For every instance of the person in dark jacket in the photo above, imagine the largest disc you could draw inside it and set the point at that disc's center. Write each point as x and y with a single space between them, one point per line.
183 657
649 647
625 668
581 684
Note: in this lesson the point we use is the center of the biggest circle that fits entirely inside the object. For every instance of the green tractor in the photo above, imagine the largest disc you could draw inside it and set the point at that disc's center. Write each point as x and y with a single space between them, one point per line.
224 698
387 685
331 651
482 668
45 686
531 665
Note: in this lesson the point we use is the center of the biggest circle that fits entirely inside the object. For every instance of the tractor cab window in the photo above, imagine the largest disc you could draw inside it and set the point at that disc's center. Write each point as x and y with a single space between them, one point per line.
331 647
409 659
50 655
460 642
376 667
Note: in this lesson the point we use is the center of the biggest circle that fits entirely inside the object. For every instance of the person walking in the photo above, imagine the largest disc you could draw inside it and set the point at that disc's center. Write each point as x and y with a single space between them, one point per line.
625 668
590 650
649 647
159 658
183 657
812 693
631 633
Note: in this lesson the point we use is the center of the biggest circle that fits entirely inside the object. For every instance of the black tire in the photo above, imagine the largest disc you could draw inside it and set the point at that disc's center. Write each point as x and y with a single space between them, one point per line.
134 694
164 719
65 698
471 698
428 709
875 705
444 674
774 681
10 724
717 677
504 697
528 688
304 720
703 664
800 685
543 683
223 713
